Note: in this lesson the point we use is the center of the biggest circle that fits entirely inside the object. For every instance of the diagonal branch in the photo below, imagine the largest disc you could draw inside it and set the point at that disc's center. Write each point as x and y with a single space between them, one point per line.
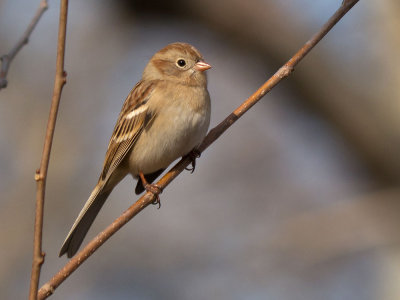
41 174
48 288
7 58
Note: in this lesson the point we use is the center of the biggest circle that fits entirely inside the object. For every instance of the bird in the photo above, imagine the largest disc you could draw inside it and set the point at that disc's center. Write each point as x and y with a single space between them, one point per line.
165 116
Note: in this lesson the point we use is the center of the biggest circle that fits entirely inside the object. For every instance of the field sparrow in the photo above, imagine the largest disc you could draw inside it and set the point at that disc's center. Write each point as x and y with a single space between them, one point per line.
165 116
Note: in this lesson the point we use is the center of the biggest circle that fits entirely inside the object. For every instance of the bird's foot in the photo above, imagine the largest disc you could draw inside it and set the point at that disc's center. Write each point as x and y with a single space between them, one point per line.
155 189
193 155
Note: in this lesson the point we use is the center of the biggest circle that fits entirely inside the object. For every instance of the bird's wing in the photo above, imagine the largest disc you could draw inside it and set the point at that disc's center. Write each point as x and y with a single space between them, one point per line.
133 118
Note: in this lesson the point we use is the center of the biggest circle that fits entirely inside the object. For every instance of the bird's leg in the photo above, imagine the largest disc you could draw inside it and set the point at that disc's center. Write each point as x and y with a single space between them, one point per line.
152 188
193 155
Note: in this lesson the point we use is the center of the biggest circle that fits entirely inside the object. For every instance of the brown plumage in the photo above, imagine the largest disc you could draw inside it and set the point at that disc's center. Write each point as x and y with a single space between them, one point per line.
164 117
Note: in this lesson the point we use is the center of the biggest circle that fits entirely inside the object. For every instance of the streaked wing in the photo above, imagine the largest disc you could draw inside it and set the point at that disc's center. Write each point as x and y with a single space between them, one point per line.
133 118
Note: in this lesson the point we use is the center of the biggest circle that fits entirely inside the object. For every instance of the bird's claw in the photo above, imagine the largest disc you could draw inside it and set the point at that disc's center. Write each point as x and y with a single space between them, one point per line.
193 155
156 190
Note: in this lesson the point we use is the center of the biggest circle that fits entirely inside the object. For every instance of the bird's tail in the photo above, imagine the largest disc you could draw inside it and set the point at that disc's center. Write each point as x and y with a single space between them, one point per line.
84 221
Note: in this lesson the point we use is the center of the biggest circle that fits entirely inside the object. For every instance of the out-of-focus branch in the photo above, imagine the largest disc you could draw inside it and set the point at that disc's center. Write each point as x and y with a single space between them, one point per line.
48 288
366 222
41 173
7 58
369 128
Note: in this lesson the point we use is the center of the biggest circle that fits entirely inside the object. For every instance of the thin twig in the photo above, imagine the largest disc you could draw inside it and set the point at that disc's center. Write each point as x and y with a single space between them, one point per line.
48 288
41 173
7 58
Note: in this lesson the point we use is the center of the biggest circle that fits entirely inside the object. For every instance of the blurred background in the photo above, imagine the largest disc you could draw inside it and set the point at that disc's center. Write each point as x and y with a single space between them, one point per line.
300 199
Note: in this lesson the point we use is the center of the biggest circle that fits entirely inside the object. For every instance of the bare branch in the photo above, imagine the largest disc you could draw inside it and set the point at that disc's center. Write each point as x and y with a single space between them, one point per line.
41 173
7 58
48 288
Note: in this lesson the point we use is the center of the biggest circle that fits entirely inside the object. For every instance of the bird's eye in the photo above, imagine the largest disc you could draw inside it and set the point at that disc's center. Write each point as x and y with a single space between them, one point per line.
181 63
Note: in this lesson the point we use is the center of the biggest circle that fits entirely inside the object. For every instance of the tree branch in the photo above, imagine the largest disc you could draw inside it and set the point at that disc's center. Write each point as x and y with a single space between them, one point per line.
41 174
7 58
48 288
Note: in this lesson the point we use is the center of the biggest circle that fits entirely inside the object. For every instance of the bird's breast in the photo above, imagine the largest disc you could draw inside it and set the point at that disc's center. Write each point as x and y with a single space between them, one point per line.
179 126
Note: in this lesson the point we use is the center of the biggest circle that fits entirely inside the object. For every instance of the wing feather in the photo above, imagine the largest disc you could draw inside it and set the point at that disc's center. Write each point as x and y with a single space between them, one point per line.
133 118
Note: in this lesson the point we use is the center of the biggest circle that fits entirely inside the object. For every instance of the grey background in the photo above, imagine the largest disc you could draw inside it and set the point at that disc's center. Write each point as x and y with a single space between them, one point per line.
298 200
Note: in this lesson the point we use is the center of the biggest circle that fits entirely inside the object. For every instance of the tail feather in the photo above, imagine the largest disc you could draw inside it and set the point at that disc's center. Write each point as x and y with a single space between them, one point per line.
84 221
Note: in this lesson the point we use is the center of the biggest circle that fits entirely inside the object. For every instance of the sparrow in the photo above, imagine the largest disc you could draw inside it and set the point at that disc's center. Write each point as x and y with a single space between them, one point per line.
165 116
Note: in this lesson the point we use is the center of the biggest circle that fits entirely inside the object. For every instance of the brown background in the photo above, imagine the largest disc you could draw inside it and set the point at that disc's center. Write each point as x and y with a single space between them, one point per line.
298 200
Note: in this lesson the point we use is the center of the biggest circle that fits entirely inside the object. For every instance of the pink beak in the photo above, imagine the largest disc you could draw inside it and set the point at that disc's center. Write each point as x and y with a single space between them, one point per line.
202 66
